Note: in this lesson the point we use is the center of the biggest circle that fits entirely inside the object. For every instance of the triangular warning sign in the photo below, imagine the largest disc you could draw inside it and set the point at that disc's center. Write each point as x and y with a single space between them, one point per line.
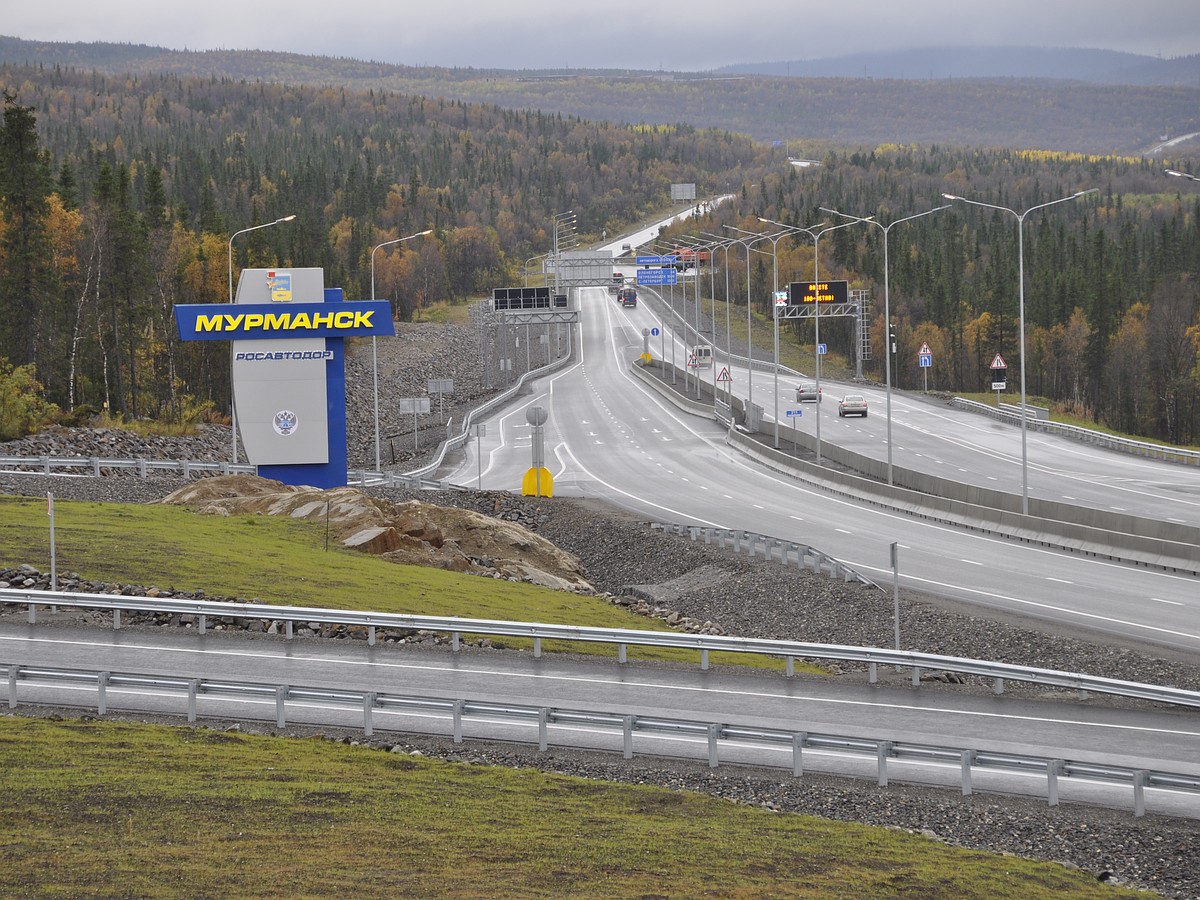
998 363
724 376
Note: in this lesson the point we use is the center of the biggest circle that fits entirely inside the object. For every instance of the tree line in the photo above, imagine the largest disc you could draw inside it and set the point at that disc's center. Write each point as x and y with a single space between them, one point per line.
1111 293
119 197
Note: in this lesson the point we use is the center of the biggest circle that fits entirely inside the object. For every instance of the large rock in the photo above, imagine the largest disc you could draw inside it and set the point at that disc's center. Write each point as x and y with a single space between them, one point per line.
411 533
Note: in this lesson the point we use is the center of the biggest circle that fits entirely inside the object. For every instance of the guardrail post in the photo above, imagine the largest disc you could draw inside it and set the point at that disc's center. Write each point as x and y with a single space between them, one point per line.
882 750
281 693
543 718
13 672
141 468
872 672
287 629
1139 793
193 689
203 621
627 724
101 693
116 620
967 758
96 466
454 641
998 686
537 648
704 658
714 732
916 677
798 740
368 705
1053 768
46 465
622 654
187 469
32 613
790 663
370 635
458 707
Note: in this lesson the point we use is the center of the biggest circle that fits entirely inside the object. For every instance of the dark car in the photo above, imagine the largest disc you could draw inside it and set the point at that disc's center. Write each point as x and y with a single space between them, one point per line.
627 296
807 391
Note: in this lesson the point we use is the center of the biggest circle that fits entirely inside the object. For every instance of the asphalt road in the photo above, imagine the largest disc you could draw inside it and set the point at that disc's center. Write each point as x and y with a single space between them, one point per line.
608 437
1155 739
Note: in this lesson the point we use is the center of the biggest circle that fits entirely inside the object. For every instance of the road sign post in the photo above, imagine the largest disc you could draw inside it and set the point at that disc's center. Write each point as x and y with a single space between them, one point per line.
794 415
925 361
999 376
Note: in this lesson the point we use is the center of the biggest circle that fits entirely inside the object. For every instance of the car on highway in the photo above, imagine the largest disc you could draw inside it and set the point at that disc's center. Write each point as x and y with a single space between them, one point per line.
808 392
627 296
852 405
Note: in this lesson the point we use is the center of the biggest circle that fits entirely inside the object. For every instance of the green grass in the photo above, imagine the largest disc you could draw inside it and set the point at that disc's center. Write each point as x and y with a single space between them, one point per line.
286 562
107 809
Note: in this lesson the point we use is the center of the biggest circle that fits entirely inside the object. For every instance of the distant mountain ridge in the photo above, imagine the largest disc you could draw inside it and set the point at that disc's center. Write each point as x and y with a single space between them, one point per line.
1068 64
1079 114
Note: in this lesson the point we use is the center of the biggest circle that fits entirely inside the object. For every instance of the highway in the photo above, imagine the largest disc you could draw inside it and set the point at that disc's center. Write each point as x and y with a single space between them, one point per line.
1154 739
608 437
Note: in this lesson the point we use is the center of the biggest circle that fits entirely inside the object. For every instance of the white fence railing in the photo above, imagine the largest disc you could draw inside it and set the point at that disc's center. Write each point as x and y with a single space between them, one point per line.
622 638
322 705
1085 435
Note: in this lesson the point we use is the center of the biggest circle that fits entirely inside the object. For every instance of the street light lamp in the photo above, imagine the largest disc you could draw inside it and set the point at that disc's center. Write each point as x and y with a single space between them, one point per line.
814 233
887 316
374 350
1020 217
232 405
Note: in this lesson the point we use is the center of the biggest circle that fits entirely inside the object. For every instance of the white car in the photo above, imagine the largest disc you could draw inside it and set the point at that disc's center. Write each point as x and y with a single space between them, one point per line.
852 405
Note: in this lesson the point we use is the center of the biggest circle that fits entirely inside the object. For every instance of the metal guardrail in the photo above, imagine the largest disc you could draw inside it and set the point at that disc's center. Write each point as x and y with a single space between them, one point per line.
622 638
97 466
807 557
1086 435
628 724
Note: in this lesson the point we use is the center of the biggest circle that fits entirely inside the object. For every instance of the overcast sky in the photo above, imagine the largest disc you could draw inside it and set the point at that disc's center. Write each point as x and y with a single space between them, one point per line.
681 36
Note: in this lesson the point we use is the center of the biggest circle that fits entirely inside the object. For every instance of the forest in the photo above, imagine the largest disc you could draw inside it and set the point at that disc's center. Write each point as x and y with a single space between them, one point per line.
120 197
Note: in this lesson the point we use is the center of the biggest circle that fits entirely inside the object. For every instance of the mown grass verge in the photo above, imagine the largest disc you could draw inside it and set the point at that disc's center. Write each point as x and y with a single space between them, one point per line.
108 809
284 561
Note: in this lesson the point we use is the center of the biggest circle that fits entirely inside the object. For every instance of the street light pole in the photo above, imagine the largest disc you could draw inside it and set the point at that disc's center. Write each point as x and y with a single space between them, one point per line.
374 352
815 234
887 355
748 245
1020 217
232 404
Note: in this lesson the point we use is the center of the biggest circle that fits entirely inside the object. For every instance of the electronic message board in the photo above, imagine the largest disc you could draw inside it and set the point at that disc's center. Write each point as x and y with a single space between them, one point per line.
806 293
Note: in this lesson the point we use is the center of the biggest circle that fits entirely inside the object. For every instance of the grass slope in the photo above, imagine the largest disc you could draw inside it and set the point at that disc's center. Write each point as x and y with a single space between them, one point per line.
105 809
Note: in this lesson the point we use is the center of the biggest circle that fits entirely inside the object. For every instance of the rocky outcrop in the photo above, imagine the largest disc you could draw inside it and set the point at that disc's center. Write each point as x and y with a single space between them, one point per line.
410 533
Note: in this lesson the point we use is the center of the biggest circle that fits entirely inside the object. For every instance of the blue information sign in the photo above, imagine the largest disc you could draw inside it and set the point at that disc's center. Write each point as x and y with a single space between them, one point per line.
925 360
655 260
821 348
795 412
657 276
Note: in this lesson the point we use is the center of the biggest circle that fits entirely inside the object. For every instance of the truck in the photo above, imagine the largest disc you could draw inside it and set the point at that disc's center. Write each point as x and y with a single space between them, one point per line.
686 257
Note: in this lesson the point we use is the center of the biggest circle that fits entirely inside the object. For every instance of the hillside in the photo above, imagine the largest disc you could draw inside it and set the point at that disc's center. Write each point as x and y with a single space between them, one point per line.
1050 114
